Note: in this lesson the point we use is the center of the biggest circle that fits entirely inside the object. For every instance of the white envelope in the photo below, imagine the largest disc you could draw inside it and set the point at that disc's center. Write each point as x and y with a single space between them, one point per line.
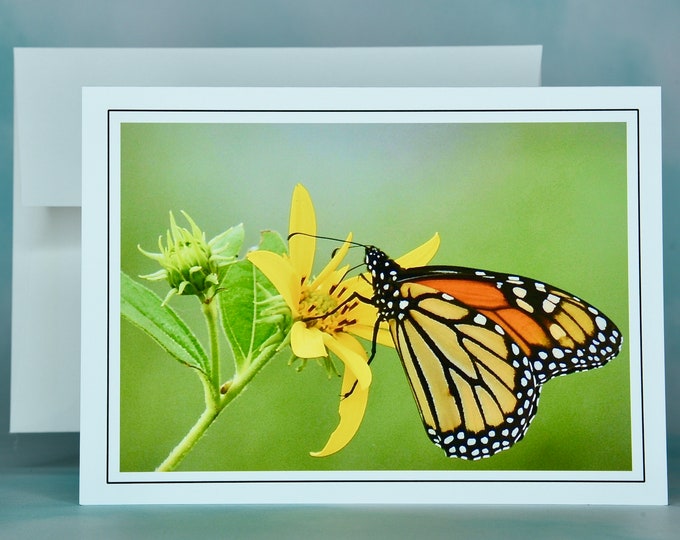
47 159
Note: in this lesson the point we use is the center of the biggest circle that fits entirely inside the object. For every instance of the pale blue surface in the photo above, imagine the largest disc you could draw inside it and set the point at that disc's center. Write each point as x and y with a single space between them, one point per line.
608 42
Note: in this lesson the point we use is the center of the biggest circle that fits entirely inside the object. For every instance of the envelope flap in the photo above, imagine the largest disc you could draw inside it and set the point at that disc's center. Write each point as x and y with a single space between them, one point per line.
48 83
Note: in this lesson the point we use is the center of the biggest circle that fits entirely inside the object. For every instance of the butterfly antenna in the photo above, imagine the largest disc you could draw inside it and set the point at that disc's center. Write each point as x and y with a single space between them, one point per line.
350 270
331 238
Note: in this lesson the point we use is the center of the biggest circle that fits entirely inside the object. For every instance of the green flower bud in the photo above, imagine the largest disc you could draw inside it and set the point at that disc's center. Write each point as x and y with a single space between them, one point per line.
191 265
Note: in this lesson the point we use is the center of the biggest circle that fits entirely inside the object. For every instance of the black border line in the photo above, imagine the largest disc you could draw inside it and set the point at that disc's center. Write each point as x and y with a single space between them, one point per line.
639 240
108 288
382 480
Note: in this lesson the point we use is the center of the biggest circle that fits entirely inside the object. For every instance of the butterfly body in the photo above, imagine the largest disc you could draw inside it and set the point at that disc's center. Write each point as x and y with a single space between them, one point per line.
477 346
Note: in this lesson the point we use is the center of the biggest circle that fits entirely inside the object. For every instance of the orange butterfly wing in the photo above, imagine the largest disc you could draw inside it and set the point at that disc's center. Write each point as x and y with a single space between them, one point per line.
561 333
477 347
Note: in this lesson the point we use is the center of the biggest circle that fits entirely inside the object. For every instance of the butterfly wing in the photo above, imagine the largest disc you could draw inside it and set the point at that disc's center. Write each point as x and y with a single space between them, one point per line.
474 386
477 346
559 332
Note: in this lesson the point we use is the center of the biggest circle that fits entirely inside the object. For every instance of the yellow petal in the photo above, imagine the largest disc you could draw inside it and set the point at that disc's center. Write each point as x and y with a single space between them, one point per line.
281 273
307 342
365 313
302 220
365 331
421 255
360 285
333 263
352 354
352 409
365 316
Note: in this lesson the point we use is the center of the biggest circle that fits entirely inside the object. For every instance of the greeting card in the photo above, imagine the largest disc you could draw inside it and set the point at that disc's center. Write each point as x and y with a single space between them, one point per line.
372 295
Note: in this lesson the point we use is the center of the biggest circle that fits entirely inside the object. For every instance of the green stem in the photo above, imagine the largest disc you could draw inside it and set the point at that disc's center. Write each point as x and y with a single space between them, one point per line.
189 440
214 407
210 311
241 380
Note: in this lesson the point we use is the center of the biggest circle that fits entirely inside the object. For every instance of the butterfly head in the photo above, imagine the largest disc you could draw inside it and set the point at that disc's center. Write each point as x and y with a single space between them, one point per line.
374 257
384 278
381 267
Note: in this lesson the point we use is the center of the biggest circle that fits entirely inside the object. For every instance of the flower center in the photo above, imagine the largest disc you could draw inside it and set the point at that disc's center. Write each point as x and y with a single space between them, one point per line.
324 310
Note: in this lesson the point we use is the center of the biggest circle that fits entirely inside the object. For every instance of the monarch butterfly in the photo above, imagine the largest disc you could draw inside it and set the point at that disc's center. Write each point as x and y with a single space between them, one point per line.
477 347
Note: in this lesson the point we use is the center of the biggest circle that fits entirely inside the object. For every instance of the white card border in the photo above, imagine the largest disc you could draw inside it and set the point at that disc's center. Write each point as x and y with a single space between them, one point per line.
99 485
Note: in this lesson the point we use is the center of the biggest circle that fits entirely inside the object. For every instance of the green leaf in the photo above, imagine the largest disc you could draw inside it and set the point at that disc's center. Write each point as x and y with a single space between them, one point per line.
142 307
246 296
229 243
272 241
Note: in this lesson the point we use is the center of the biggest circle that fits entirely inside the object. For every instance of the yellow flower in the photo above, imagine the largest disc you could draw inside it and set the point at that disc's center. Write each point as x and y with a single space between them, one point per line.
324 319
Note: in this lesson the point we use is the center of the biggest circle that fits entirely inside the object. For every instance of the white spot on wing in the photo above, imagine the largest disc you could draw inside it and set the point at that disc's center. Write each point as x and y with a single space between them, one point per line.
519 292
548 306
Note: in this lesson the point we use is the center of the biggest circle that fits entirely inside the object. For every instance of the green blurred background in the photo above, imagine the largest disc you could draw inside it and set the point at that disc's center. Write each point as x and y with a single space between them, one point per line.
545 200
